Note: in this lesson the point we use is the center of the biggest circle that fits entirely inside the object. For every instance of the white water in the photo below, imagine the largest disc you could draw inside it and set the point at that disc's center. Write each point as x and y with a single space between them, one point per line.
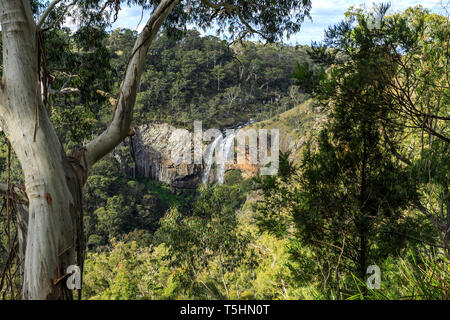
226 156
220 150
208 157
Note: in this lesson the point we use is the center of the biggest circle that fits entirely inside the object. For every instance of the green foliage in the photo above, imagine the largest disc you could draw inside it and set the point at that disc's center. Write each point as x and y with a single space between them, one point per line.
216 252
130 272
272 208
404 60
208 236
307 77
233 177
349 201
318 225
307 233
238 19
118 206
16 174
423 276
64 118
80 72
203 78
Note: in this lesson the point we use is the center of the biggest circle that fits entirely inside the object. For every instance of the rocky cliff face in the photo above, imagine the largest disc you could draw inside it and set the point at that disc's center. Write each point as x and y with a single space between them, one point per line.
154 144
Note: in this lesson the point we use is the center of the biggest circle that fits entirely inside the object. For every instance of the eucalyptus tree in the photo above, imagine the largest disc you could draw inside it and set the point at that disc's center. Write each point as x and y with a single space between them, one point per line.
53 178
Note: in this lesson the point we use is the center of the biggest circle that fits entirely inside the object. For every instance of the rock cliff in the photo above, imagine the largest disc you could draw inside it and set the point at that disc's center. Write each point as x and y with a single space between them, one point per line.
154 144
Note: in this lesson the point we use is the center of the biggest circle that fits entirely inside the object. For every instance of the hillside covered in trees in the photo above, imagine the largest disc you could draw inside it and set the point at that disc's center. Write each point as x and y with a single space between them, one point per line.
363 170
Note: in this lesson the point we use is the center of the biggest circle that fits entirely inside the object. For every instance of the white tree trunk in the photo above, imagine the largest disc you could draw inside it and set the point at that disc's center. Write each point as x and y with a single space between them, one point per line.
53 181
50 182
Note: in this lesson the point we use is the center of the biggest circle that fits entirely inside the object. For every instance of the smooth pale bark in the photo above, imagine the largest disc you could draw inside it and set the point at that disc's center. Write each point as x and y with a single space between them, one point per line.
53 180
50 181
119 128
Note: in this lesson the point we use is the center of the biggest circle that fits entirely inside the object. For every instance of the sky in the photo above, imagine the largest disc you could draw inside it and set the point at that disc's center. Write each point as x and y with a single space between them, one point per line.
324 13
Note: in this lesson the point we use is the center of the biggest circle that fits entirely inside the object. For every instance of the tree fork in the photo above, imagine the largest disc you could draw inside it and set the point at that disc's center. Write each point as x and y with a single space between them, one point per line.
53 180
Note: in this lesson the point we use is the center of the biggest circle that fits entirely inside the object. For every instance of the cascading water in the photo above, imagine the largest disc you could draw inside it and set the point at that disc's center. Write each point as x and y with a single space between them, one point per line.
226 156
209 158
220 150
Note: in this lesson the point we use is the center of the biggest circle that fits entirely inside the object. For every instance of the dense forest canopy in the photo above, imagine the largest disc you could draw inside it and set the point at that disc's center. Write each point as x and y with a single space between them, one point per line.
366 112
193 78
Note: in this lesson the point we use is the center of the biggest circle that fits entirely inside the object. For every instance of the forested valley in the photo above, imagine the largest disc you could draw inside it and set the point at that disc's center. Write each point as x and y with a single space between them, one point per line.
363 170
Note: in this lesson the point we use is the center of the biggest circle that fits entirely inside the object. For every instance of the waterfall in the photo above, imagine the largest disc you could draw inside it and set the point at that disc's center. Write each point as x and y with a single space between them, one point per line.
208 157
226 155
220 150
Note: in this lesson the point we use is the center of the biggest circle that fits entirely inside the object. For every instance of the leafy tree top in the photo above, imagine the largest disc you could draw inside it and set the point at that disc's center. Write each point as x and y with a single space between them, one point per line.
239 19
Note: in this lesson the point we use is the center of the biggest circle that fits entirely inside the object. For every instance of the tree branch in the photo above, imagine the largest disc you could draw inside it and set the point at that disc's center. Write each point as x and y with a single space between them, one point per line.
62 15
47 12
119 127
392 147
229 8
17 193
440 225
64 91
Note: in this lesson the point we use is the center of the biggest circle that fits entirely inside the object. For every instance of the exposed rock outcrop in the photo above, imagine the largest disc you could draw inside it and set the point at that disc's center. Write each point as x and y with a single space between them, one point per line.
154 145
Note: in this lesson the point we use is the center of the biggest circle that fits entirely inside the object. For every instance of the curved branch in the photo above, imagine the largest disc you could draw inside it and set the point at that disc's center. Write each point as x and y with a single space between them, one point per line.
440 225
119 127
392 147
62 15
229 8
47 12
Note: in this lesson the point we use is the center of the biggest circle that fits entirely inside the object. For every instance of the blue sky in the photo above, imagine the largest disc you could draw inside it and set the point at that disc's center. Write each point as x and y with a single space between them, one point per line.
324 13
